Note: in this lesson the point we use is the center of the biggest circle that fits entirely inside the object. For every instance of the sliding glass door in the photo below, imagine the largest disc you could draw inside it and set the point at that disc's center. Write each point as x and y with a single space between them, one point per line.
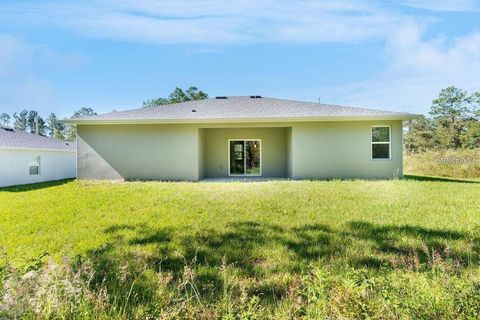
237 157
245 157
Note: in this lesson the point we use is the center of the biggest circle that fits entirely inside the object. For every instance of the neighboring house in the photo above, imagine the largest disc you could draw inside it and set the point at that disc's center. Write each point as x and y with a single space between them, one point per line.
240 137
29 158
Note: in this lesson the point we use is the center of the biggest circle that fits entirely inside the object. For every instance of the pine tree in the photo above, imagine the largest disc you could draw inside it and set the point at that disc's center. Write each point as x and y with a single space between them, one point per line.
4 119
55 128
20 122
177 96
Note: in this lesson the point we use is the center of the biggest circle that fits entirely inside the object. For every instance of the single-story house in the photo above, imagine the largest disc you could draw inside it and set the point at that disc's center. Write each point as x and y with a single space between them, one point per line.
247 136
28 158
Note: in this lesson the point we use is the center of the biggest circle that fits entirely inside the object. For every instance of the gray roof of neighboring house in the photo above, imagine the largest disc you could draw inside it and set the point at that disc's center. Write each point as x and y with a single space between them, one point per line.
241 108
15 139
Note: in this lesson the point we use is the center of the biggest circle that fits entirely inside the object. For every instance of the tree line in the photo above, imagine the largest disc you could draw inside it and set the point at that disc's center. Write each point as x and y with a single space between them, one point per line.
452 123
177 96
31 121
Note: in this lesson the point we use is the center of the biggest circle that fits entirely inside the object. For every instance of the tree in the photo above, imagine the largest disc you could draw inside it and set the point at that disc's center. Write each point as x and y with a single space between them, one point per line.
420 135
70 132
35 123
454 123
84 112
40 127
4 119
475 100
449 112
155 102
32 121
177 96
194 94
471 137
55 128
20 122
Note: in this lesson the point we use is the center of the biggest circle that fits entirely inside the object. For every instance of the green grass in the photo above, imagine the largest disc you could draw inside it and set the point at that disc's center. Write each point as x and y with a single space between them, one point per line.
354 249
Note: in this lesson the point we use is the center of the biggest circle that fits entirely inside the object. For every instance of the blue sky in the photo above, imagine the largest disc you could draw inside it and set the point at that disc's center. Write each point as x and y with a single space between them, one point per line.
57 56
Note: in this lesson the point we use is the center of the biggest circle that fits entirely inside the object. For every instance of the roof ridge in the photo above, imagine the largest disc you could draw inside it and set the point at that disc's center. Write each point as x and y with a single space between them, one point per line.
243 108
333 105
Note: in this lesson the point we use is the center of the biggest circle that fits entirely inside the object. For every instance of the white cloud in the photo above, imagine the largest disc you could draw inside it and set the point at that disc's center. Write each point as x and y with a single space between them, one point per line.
20 84
228 22
418 70
443 5
411 53
418 67
214 21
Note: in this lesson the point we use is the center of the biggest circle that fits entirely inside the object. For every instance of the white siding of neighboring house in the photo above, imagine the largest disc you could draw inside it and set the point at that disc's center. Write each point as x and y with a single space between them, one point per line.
54 165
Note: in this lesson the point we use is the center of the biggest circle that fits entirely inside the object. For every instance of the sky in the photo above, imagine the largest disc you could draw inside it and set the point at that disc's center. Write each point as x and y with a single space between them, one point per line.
59 56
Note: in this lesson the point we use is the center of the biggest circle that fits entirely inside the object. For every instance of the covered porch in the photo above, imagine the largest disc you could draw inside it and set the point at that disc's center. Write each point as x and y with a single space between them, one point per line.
252 154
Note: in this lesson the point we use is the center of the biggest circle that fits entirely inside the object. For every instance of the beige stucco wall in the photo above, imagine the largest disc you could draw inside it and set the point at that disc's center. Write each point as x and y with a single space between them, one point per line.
163 152
289 151
201 154
191 152
273 150
342 150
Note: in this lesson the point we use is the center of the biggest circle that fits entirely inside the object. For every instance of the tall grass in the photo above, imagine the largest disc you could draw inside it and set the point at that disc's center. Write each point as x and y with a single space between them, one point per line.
464 163
139 291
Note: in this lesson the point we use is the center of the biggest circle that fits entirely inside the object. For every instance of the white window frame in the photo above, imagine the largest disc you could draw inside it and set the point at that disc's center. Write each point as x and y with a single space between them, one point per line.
389 143
244 158
37 164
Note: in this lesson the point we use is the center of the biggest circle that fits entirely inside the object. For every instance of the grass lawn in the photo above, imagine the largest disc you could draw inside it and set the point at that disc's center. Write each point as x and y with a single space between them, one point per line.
354 249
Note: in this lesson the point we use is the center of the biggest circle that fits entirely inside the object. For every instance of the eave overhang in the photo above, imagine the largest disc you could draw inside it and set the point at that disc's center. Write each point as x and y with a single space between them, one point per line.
237 120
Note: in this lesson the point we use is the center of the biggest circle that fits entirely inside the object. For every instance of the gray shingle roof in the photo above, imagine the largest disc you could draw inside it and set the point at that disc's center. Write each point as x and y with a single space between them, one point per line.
11 138
242 108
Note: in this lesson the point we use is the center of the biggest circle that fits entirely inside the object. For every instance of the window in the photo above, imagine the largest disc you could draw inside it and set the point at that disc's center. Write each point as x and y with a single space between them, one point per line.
381 139
244 157
34 166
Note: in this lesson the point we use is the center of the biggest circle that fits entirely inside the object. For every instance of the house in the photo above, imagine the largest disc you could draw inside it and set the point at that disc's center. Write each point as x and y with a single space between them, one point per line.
29 158
240 137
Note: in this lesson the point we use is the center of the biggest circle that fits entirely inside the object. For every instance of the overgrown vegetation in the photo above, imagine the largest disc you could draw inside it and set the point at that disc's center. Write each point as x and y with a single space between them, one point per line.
463 163
338 249
446 144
